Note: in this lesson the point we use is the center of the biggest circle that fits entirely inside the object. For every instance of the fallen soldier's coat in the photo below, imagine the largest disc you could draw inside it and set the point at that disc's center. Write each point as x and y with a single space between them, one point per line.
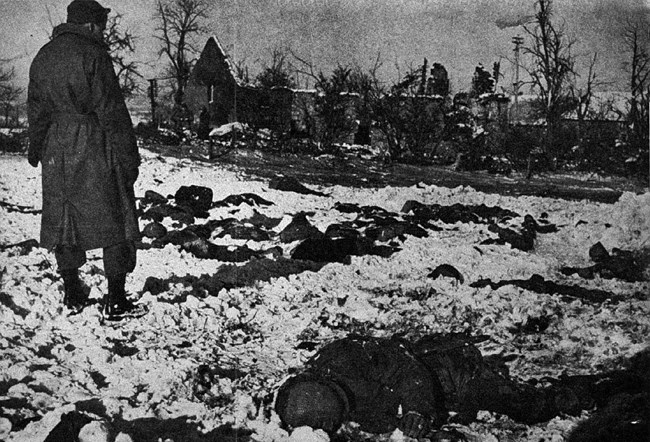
373 377
367 380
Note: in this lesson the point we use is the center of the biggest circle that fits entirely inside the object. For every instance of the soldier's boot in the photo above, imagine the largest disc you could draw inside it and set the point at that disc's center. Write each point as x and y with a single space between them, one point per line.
75 294
115 305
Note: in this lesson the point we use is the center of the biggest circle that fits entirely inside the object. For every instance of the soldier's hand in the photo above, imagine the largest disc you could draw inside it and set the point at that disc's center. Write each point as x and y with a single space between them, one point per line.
328 425
414 425
451 435
132 176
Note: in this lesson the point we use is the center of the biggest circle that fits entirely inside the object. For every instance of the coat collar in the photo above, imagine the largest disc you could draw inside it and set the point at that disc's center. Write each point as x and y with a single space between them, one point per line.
77 29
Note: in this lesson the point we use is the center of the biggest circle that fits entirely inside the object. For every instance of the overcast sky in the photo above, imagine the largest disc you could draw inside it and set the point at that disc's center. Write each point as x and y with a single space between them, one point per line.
457 33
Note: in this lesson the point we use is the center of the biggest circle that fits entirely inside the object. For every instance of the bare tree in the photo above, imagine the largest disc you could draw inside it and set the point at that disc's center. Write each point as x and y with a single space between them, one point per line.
9 92
341 99
552 65
278 73
410 122
179 23
636 42
241 71
303 66
120 44
335 106
582 96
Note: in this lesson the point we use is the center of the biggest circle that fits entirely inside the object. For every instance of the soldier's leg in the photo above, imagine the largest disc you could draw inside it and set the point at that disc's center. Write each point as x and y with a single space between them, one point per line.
119 260
69 259
520 401
528 403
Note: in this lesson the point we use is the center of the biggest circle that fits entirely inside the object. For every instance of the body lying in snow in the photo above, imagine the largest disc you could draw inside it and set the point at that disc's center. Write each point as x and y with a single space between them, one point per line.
383 383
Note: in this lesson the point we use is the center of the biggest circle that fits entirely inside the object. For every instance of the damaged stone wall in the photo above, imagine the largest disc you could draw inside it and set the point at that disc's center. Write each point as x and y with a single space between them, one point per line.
214 85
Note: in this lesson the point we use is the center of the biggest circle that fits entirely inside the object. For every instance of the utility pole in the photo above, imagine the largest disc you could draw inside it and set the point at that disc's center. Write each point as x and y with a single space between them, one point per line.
153 93
517 41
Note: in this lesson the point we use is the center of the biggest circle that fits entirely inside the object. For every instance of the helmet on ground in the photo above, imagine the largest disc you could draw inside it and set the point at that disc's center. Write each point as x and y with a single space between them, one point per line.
315 403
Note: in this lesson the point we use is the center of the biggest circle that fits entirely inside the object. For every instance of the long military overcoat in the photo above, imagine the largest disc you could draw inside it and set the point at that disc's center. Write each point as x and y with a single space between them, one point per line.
81 132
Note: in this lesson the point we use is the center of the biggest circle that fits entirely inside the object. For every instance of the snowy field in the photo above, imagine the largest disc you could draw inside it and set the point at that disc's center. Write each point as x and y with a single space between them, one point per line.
134 371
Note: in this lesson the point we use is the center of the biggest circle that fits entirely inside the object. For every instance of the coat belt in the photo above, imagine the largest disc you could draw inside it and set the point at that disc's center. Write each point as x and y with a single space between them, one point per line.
74 117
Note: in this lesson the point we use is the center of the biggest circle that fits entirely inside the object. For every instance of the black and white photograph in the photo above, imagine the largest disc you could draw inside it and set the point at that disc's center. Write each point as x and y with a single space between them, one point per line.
324 221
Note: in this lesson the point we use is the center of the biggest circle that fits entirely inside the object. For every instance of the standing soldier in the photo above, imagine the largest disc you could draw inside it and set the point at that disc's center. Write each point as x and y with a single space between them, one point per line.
81 133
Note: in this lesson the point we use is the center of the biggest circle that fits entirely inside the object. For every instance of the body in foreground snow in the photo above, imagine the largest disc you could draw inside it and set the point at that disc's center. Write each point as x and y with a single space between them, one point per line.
383 384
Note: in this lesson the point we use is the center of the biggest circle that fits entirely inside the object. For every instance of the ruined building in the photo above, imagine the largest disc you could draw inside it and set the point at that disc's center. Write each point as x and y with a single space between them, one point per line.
213 84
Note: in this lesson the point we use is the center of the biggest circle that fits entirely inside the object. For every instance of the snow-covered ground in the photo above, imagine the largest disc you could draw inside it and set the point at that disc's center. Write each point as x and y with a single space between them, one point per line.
51 363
